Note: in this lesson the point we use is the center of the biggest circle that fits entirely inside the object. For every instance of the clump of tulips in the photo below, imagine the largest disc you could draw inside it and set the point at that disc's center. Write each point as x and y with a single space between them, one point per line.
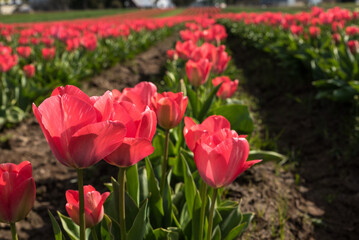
190 141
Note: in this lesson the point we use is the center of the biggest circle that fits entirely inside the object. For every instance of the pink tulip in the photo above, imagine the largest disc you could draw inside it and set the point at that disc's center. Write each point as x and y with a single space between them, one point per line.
17 191
140 95
185 49
228 87
220 59
198 72
29 70
221 157
170 108
192 131
73 127
141 127
24 51
353 46
314 31
48 53
94 210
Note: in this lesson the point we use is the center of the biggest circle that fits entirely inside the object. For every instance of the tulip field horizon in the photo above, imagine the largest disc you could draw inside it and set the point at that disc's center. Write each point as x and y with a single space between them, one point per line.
187 123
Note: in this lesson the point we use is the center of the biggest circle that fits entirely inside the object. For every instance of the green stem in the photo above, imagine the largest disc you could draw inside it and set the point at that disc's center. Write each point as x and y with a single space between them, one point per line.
80 182
203 192
211 212
13 231
197 109
121 208
94 234
164 164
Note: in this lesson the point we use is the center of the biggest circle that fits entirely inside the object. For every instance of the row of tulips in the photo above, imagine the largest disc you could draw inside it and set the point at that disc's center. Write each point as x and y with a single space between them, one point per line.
189 140
325 42
35 58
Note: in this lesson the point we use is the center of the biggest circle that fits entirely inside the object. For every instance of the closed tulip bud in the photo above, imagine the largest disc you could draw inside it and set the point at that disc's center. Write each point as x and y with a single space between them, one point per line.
94 210
198 72
228 87
17 191
24 51
353 46
170 108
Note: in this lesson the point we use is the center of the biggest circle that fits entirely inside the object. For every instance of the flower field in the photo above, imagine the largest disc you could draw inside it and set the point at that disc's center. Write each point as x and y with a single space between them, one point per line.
202 125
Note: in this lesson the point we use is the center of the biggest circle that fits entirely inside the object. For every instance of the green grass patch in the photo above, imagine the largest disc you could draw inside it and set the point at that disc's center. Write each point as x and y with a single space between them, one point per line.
171 13
237 9
58 16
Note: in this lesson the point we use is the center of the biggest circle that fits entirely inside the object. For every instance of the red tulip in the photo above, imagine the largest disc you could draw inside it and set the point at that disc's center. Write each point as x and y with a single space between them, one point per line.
185 49
228 87
17 191
192 131
141 127
29 70
220 59
73 127
7 61
198 72
170 108
204 51
314 31
140 95
353 46
94 201
48 53
24 51
221 157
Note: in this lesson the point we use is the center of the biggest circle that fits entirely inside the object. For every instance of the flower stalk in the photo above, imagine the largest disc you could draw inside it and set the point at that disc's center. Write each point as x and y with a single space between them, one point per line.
13 231
80 183
211 213
164 164
121 208
203 193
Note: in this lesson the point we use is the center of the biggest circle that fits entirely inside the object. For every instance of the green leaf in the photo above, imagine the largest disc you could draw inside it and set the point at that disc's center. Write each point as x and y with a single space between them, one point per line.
208 103
155 199
238 116
216 235
106 226
267 156
235 232
192 98
196 215
133 186
55 226
138 228
71 228
190 187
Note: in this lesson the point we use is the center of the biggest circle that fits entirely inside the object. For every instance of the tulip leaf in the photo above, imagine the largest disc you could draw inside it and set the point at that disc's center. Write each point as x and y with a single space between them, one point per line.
158 143
143 183
106 226
192 98
230 220
190 187
267 156
235 232
171 233
196 215
155 199
238 115
208 103
133 187
57 230
138 228
216 235
71 228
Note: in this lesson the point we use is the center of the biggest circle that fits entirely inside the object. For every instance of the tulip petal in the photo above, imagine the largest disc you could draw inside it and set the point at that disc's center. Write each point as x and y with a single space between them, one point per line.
94 142
215 123
73 212
104 105
130 152
72 196
71 90
201 158
22 199
148 124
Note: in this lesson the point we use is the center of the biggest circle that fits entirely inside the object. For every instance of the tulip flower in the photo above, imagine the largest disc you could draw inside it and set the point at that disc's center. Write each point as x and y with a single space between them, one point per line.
198 72
17 191
94 210
72 127
184 50
48 53
192 132
314 31
228 87
353 46
140 95
24 51
141 127
221 157
29 70
220 59
170 108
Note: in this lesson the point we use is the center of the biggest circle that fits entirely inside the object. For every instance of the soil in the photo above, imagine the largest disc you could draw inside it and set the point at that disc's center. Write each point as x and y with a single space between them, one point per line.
27 143
315 199
318 198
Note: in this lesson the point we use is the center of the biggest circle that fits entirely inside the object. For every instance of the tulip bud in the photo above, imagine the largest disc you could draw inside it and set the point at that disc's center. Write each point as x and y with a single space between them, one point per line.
29 70
198 72
170 108
94 210
17 191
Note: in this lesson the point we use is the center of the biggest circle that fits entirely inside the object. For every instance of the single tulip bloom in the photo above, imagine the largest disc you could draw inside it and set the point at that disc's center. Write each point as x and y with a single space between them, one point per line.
48 53
94 210
193 132
24 51
314 31
221 157
228 87
75 129
220 59
140 95
170 108
17 191
185 49
198 72
29 70
353 46
141 127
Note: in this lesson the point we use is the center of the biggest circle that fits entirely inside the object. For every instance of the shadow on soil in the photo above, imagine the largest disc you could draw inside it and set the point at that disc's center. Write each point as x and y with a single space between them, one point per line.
318 136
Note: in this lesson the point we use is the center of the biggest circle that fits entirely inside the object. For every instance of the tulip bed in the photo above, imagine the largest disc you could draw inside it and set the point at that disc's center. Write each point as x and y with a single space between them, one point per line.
35 58
176 145
325 43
